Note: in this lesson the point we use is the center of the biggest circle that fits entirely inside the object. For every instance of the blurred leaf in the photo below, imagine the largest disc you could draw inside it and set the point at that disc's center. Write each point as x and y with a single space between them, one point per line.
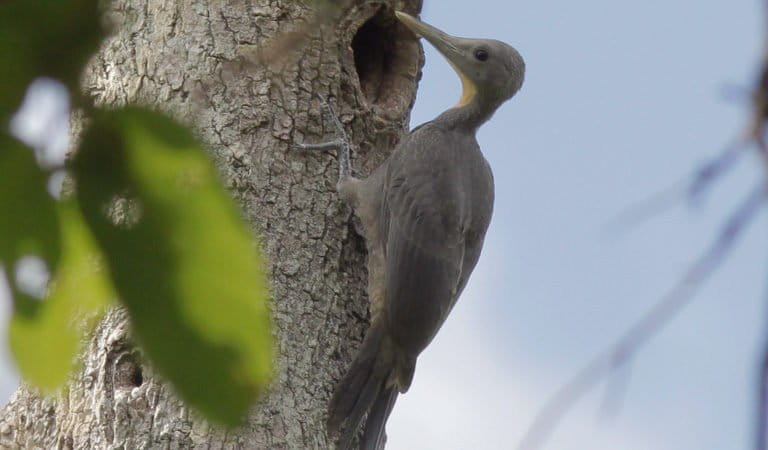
38 38
28 221
29 224
46 346
181 258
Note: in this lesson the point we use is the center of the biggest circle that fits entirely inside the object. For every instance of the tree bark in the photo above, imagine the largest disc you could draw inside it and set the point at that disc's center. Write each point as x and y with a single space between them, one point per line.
243 74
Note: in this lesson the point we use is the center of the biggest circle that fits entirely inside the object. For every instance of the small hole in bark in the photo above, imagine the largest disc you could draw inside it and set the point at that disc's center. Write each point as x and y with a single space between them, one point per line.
137 378
128 373
385 57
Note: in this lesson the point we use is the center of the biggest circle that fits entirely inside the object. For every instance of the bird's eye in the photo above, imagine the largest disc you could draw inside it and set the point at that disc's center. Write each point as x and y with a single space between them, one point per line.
481 54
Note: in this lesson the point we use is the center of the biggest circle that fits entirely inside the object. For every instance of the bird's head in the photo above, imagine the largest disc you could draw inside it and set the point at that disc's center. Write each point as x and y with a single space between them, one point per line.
490 70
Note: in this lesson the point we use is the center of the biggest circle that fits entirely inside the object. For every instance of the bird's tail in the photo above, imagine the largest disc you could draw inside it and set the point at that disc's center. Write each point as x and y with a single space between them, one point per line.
374 436
363 389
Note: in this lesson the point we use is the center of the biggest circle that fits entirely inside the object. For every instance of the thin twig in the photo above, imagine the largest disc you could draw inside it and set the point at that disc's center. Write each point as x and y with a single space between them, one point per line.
705 176
761 438
692 190
648 208
626 347
615 391
758 130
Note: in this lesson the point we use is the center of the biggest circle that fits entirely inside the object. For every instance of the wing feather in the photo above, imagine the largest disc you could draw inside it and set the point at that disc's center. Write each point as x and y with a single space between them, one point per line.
425 213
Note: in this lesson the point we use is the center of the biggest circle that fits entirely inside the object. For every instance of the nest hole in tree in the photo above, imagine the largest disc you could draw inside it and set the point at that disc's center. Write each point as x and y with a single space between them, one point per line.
387 60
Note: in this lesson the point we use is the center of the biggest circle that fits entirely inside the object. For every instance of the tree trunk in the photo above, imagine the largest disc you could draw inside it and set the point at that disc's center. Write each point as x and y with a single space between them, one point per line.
244 74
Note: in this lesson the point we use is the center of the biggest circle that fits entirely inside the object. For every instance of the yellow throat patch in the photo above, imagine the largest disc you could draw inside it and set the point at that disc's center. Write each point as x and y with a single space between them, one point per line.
468 90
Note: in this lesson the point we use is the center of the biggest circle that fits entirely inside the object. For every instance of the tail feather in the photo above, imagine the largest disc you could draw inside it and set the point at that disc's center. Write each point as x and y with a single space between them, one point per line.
367 397
375 437
357 392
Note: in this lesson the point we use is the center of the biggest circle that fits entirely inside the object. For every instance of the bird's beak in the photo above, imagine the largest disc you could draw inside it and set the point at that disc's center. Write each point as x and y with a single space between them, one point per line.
443 42
447 46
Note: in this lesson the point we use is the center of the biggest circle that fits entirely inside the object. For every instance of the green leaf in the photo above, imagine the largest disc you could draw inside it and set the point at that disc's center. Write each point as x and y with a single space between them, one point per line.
181 258
29 224
45 346
38 38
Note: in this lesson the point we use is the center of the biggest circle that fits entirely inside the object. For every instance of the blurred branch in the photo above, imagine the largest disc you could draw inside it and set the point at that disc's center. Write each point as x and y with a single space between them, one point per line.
711 171
625 348
631 342
691 189
762 410
643 210
757 132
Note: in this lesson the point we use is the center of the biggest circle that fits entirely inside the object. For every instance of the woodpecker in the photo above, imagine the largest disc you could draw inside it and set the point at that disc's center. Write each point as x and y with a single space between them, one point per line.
424 214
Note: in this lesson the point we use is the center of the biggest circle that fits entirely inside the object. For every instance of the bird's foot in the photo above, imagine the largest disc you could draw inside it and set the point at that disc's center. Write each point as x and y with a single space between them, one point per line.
341 143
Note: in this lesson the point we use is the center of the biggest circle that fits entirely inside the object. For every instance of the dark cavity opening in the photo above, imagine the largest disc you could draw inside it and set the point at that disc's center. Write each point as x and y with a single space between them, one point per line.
380 56
128 372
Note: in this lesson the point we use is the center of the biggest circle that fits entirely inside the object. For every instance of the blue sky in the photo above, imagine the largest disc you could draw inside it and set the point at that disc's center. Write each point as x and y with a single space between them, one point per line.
621 100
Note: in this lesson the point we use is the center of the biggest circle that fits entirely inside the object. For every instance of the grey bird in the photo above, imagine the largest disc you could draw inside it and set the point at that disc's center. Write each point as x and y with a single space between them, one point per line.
424 213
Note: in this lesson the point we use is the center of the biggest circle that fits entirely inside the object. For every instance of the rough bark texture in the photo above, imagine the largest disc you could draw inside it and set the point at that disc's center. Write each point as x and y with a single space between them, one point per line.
201 60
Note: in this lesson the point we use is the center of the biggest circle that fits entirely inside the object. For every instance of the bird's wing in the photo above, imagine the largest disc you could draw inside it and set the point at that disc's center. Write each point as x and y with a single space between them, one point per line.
483 199
424 245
